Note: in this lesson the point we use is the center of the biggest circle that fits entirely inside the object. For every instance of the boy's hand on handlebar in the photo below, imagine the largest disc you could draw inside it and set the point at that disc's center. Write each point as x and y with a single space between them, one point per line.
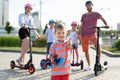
54 63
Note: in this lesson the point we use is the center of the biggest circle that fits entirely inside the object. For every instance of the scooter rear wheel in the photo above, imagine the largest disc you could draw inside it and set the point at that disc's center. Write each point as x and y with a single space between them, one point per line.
12 64
31 69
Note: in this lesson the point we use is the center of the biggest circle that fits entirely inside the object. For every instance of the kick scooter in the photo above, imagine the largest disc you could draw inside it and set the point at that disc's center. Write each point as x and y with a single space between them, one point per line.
29 65
98 67
45 63
73 63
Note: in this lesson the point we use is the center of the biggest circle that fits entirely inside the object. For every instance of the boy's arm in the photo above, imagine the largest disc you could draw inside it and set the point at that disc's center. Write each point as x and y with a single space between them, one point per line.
46 32
52 55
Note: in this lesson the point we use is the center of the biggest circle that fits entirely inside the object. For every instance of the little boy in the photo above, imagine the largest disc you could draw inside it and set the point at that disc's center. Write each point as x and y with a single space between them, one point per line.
62 48
50 35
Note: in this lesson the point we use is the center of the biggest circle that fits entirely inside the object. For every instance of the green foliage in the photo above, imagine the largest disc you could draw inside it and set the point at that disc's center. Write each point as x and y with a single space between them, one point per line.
110 49
117 44
108 32
8 28
14 41
59 21
10 41
40 43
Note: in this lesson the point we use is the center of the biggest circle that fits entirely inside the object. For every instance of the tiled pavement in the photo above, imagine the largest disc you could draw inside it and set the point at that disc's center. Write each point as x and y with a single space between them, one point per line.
112 73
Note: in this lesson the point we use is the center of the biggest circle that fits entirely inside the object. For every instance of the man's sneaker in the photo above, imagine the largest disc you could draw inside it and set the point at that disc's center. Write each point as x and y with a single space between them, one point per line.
19 62
87 68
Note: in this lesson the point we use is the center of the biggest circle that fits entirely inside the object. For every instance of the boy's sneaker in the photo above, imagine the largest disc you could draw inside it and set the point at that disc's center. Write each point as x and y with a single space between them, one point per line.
87 68
19 62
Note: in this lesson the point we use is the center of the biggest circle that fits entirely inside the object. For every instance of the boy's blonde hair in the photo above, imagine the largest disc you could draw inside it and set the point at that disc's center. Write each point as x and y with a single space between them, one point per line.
59 26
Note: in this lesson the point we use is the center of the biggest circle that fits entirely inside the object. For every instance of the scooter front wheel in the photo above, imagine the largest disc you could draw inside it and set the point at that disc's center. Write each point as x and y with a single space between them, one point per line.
82 64
12 64
31 69
96 70
43 64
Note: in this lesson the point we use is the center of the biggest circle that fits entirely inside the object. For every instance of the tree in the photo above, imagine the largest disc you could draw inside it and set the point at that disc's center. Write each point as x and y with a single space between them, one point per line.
59 21
8 28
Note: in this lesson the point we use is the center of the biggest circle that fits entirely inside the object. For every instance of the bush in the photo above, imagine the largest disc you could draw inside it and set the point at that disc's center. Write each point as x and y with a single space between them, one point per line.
10 41
117 44
40 43
14 41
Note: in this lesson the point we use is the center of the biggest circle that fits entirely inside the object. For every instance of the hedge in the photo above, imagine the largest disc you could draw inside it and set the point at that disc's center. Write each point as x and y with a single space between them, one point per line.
10 41
14 41
117 44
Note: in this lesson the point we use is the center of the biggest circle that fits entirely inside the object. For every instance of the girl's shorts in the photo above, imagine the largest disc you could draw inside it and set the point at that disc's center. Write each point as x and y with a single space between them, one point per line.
23 33
75 46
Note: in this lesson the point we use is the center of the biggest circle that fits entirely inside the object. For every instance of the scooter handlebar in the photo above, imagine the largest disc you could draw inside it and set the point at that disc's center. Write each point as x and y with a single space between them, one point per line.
99 26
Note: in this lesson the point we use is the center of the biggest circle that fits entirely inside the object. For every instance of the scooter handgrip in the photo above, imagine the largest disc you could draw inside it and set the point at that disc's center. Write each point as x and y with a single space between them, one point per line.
58 62
52 64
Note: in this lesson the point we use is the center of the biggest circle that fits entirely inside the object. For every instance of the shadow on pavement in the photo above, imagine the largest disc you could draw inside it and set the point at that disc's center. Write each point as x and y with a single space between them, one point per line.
17 74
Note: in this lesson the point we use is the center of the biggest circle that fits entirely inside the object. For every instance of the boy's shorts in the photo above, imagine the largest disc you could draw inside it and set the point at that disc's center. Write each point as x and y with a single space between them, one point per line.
85 42
48 46
60 77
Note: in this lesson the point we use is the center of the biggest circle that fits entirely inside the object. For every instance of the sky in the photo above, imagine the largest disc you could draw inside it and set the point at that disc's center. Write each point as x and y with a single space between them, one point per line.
66 10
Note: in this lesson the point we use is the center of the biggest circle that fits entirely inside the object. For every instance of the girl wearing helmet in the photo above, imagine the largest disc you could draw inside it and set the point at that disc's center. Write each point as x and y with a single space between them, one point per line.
74 37
25 21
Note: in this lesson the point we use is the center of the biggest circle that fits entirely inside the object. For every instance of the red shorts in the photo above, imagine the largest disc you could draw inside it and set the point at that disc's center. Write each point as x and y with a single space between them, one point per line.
60 77
85 42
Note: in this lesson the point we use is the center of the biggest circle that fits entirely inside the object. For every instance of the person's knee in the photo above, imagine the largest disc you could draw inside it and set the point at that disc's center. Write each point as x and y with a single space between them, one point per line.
86 53
26 39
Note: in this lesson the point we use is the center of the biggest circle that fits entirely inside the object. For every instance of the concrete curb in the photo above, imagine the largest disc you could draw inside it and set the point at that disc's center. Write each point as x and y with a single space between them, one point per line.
110 54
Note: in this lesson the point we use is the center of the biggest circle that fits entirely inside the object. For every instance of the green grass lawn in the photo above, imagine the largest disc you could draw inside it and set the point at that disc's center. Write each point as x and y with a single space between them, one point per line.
113 50
43 49
39 49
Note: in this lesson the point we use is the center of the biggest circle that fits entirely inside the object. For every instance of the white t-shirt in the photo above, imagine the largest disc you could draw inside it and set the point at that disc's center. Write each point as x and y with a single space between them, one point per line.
27 20
50 35
73 35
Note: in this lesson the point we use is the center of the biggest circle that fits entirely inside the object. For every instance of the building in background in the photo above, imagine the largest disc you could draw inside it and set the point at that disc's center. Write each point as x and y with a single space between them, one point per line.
4 11
35 16
4 17
118 26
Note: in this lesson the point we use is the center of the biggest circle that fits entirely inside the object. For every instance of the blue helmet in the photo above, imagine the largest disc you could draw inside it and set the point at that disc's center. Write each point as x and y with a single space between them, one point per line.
51 21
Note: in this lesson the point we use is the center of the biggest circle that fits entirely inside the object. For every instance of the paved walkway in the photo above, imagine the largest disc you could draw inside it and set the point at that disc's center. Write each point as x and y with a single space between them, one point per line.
112 73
